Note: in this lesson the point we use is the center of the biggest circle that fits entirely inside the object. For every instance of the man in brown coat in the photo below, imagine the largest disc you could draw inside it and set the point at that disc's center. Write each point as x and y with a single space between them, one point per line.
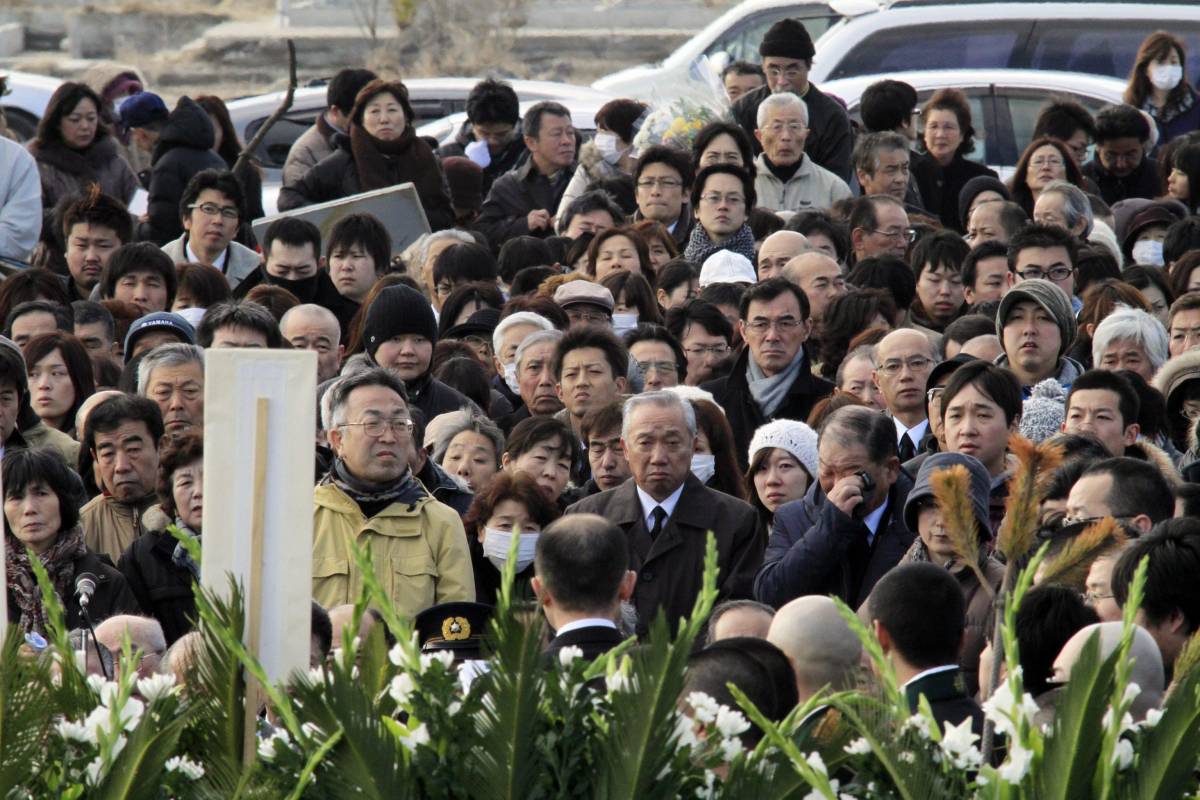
666 513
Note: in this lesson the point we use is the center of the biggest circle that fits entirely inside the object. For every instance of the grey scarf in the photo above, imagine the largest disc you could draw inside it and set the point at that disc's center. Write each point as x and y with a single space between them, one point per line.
180 556
770 392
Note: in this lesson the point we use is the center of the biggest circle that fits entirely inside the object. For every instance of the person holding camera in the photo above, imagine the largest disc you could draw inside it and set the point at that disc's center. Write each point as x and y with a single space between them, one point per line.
848 529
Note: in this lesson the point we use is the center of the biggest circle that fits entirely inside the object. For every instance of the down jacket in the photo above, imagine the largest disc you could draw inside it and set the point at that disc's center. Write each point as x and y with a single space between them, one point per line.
183 149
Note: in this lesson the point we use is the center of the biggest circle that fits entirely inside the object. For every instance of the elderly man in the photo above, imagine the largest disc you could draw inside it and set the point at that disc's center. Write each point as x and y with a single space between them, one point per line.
313 327
903 360
817 641
821 279
146 641
879 227
1036 327
881 165
787 179
777 250
536 381
771 378
370 496
1065 205
122 436
737 619
848 530
666 513
172 375
506 338
1131 339
995 221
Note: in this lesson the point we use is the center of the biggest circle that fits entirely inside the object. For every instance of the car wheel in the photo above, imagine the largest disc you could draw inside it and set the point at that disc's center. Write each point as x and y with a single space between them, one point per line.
22 125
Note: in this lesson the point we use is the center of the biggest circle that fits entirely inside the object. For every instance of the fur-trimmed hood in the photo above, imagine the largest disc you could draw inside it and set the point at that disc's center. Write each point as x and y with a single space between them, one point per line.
1172 375
1147 451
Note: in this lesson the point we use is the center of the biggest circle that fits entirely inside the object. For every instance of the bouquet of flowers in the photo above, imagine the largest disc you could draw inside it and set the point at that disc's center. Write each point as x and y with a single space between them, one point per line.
676 120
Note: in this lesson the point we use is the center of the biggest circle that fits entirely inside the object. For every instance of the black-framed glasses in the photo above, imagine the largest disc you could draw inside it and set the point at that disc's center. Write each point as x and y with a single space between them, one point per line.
213 210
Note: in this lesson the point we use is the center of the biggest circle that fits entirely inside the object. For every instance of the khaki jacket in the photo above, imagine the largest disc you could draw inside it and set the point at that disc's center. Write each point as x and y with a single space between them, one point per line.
420 552
109 526
42 435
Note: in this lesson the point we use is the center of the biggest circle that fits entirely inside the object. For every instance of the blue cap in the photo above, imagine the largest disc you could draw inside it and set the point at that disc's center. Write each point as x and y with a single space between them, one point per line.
158 321
142 109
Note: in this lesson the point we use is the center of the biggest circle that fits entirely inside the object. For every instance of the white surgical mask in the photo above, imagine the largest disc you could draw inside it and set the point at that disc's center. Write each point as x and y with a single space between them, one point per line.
606 145
623 323
496 543
1148 252
704 466
1166 76
510 377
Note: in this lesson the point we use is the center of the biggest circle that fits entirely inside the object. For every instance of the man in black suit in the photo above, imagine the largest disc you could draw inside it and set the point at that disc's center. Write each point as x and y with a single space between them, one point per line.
919 615
581 577
665 513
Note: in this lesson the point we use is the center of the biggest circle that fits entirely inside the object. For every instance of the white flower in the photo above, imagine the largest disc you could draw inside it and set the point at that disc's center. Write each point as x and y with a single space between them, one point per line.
1132 690
266 749
731 748
704 707
443 657
907 757
568 654
396 655
859 747
1123 754
156 686
131 713
685 732
1016 766
416 736
919 723
316 675
958 744
618 682
96 683
402 688
1126 719
311 730
94 772
1005 712
1152 717
75 731
190 769
816 762
454 708
731 722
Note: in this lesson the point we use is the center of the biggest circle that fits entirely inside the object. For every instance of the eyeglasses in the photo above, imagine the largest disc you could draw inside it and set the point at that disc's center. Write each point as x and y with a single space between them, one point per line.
794 128
893 366
1053 274
909 234
935 393
714 198
662 183
696 351
791 73
212 210
783 325
668 367
1052 161
375 428
1091 598
1191 412
588 316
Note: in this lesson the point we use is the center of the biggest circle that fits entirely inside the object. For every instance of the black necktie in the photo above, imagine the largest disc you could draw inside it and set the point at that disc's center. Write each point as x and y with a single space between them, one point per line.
907 450
660 518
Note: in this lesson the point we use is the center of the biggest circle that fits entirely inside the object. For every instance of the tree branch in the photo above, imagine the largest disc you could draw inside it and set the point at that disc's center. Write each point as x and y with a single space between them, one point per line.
261 133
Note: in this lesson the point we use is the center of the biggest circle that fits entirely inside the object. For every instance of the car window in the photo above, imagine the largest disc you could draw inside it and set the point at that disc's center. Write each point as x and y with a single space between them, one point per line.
741 41
976 98
273 149
1106 47
1024 106
961 45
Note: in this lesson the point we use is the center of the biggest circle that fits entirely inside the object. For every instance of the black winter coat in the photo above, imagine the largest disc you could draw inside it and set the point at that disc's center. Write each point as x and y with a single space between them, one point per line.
732 393
434 397
940 186
511 157
1142 182
321 291
184 148
112 594
830 140
162 588
514 195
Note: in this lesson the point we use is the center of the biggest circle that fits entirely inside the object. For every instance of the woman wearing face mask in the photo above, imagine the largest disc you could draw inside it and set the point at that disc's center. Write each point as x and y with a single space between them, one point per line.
1159 86
715 462
1143 242
610 152
512 505
634 299
783 464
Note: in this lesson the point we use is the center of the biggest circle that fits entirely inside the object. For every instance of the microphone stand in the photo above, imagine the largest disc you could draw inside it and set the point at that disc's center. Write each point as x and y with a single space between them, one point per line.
83 610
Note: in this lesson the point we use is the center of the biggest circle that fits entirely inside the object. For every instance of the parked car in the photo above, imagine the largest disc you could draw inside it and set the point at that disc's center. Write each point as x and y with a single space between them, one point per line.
1095 38
26 101
1004 102
733 36
583 117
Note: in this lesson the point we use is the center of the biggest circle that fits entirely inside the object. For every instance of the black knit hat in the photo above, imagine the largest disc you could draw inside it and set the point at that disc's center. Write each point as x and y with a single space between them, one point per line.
396 311
787 38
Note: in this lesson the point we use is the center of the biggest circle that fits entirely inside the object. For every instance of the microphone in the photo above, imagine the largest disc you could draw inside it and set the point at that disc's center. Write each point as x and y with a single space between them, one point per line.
85 587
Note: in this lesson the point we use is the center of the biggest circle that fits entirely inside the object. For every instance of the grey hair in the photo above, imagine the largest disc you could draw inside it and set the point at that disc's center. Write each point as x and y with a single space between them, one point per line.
532 340
1076 205
1135 325
167 355
464 419
862 351
853 426
513 320
338 394
868 148
780 101
662 399
422 246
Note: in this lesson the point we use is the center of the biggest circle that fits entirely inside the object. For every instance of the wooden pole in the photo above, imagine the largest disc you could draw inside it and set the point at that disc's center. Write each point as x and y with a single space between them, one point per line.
260 134
254 692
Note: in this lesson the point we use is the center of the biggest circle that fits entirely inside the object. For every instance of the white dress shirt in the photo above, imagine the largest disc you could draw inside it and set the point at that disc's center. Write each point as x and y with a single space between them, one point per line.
649 504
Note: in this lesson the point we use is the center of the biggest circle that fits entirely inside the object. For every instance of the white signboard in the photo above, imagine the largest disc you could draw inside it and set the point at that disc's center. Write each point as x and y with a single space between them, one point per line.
259 424
397 207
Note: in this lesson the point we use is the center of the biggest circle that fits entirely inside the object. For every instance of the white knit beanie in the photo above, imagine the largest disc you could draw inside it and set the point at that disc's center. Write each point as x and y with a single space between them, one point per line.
726 266
795 437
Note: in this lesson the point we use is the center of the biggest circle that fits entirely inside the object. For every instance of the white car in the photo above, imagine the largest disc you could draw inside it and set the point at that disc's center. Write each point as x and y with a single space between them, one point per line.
733 36
583 117
1004 102
26 102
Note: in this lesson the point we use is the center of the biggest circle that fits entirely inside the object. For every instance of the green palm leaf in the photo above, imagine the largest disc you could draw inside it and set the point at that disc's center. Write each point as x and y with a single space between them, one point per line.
137 772
1169 752
25 714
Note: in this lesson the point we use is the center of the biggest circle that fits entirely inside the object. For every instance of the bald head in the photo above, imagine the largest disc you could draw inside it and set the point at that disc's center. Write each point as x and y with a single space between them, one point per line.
905 341
1147 672
145 635
822 648
986 347
819 276
777 249
314 327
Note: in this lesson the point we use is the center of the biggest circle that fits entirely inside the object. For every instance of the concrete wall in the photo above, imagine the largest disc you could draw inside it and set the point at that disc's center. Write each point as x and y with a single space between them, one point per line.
103 34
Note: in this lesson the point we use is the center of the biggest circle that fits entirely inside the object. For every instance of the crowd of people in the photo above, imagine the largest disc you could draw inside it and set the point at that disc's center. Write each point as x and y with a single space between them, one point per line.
605 351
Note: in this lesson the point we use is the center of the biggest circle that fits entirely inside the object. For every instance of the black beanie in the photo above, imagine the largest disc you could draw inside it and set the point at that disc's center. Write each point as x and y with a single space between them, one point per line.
396 311
787 39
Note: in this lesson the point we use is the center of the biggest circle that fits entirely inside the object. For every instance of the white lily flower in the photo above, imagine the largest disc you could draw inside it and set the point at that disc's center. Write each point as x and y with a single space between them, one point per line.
704 707
858 747
1016 765
1123 754
443 657
1152 717
731 722
569 654
731 748
402 688
190 769
76 732
156 687
396 655
816 762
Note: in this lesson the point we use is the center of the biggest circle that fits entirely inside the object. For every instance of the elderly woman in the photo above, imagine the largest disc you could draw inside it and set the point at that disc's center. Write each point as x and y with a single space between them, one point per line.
382 150
41 520
75 150
157 566
469 447
546 448
783 464
512 505
949 138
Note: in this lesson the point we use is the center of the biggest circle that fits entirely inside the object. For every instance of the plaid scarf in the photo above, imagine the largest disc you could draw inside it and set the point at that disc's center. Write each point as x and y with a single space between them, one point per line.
700 247
59 561
406 489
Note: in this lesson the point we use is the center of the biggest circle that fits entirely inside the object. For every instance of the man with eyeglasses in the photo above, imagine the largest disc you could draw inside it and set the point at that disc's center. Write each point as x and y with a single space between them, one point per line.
787 52
1046 252
1129 489
1122 167
903 360
210 209
658 354
772 377
705 335
878 227
371 497
787 180
722 197
663 178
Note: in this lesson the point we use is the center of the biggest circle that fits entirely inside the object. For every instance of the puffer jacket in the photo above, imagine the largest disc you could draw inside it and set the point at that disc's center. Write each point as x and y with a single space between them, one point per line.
419 551
183 149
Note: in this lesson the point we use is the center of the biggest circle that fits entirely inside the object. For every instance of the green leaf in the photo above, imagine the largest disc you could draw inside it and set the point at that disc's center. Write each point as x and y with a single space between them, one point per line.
25 715
137 772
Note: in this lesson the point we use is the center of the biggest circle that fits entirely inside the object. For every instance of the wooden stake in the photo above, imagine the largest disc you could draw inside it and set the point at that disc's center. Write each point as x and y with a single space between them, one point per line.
254 692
